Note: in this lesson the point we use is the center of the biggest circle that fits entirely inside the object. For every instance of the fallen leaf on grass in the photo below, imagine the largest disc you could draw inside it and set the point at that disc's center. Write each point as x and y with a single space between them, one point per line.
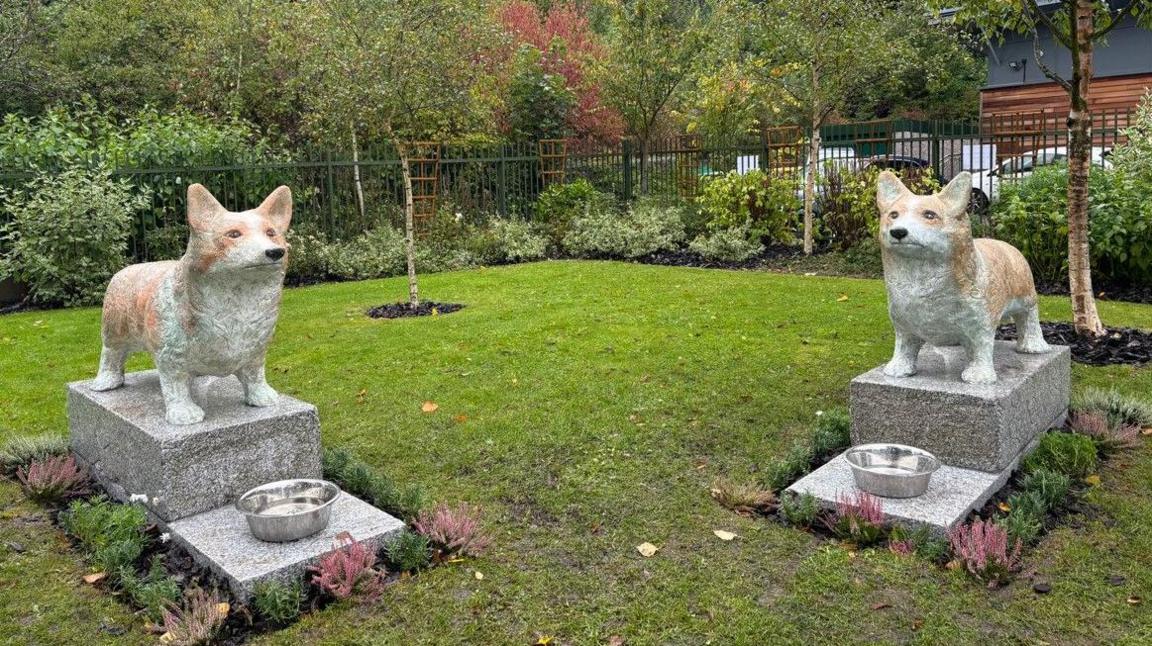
95 577
479 575
1093 480
1135 600
1004 507
460 419
430 407
1147 430
647 549
952 565
544 640
223 608
723 535
843 297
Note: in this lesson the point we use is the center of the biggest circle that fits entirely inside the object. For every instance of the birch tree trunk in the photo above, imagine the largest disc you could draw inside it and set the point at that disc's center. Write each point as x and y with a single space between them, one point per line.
356 173
810 182
1085 317
409 226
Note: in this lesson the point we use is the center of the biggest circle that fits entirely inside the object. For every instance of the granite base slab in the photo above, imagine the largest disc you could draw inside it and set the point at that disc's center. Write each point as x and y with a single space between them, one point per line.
952 493
975 426
122 436
220 541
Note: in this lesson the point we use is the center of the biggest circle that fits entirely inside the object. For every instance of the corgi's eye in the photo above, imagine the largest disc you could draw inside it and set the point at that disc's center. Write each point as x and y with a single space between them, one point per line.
234 233
271 233
894 215
929 215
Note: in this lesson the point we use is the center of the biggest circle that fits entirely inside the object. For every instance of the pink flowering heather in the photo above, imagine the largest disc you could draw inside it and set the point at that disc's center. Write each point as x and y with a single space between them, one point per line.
53 478
1108 438
859 518
453 531
982 549
348 570
902 547
198 621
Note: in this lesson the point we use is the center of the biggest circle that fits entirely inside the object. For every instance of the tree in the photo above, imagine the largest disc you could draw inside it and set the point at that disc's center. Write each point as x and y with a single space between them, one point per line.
817 54
654 48
23 24
403 70
1076 25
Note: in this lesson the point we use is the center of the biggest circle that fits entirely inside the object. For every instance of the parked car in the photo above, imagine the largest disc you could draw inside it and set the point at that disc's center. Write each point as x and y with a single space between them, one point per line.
986 184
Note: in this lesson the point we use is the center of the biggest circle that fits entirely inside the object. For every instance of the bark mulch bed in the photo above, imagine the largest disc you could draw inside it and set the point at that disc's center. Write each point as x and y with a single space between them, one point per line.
1119 346
1125 293
402 310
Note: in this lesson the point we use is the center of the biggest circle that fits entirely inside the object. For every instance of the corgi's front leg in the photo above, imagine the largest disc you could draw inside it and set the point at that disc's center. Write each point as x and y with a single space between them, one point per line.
903 363
257 392
981 369
176 385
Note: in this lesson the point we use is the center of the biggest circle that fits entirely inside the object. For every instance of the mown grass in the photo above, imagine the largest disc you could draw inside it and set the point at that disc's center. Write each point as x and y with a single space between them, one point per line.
587 407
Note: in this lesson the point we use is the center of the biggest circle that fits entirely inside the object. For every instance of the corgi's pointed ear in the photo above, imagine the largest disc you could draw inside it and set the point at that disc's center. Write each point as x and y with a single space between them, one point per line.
202 208
957 193
889 188
278 207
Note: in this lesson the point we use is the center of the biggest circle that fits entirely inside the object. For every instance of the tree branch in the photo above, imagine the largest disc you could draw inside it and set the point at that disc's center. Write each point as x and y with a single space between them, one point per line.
1048 71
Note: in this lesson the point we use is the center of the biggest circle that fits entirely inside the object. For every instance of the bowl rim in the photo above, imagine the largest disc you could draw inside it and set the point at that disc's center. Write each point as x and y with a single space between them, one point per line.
325 484
864 448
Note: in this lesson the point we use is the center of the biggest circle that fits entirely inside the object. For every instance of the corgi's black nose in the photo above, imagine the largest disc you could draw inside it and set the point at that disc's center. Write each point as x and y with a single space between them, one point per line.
275 254
899 234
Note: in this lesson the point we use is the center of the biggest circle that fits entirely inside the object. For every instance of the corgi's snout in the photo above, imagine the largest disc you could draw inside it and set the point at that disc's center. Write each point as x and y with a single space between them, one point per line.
275 254
898 234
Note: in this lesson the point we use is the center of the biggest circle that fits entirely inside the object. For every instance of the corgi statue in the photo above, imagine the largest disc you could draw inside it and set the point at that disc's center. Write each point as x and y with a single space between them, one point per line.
945 288
212 312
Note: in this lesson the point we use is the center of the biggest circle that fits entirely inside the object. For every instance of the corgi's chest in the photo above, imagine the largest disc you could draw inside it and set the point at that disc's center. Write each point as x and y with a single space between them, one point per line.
928 301
231 324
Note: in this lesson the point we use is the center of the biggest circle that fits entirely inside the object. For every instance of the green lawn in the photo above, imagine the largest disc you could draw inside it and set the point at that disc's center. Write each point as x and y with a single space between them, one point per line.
587 406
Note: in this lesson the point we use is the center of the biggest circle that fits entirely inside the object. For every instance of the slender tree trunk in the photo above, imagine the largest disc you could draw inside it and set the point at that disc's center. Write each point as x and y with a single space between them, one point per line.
644 165
356 172
810 181
409 225
1085 317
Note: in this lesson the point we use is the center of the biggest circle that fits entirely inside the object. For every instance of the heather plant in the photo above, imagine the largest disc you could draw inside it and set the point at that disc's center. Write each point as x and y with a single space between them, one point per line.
408 552
1047 486
22 450
1069 453
858 518
453 530
982 549
743 498
198 621
920 542
53 479
278 602
155 591
1120 409
799 510
348 570
789 468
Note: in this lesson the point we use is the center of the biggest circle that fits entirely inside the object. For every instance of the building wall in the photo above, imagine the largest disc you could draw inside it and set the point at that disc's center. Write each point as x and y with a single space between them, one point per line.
1116 93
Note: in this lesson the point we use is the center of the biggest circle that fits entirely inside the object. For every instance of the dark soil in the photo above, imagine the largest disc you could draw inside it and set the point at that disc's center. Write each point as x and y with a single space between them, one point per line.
1125 293
402 310
1119 346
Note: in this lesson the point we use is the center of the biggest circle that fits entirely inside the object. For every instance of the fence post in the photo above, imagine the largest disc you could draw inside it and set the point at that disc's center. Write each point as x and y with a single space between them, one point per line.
626 153
937 163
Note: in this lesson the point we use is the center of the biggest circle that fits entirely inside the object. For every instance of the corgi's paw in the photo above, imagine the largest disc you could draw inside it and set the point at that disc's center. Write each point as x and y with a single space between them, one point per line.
107 381
1032 345
184 413
261 395
979 374
899 367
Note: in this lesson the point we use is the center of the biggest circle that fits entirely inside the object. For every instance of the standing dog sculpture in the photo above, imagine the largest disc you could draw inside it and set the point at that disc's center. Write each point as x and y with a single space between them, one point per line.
945 288
212 312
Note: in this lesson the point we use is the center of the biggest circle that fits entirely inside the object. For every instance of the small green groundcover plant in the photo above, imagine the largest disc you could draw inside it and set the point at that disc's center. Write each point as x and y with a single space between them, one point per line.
361 480
1071 454
832 434
112 535
155 591
277 601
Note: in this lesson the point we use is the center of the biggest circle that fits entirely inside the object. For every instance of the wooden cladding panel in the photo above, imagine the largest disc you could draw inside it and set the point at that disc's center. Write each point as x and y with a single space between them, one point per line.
1111 93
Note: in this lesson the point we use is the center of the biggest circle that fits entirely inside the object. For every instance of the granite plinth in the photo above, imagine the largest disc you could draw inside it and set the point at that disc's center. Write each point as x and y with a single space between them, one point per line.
121 435
952 493
220 541
974 426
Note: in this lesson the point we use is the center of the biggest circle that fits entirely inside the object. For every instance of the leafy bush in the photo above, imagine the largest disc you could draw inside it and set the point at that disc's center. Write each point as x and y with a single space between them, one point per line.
374 254
848 204
743 498
453 531
982 550
1071 454
1050 487
766 205
1121 409
560 204
278 602
155 592
643 229
858 518
408 552
362 481
517 241
53 479
198 621
731 244
800 511
1133 157
66 234
348 570
22 450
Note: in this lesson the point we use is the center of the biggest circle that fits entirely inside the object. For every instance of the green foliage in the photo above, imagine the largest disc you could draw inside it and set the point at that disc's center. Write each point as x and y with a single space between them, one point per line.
1120 409
516 241
21 450
1133 157
800 511
1049 487
537 102
832 434
789 468
361 480
766 205
1071 454
644 228
848 204
408 552
1023 524
560 204
98 523
732 244
67 234
278 602
155 592
922 543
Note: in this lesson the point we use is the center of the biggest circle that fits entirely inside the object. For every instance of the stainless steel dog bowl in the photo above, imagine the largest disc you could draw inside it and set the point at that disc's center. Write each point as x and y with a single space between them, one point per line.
288 510
892 470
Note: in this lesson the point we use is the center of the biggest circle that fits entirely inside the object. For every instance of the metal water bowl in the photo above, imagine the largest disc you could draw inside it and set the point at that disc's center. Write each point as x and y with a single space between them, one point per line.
288 510
892 470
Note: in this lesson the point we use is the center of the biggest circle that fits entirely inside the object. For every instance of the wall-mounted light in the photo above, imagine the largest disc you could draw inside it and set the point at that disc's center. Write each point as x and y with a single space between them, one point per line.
1018 65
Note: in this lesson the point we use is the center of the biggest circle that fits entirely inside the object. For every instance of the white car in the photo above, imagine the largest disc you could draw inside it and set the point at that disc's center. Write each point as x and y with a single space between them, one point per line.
986 183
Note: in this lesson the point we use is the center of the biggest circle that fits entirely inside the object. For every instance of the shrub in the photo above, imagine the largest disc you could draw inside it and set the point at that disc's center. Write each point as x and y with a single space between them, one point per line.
155 592
453 531
408 552
348 570
848 204
732 244
643 229
790 468
743 498
360 480
517 241
1071 454
560 204
1107 437
858 518
1048 486
66 234
800 511
53 479
982 550
766 205
278 602
22 450
198 621
833 433
374 254
1120 409
1133 157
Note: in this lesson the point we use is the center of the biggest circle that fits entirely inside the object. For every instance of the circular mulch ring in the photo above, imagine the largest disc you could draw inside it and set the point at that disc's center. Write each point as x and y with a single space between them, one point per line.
1119 346
402 310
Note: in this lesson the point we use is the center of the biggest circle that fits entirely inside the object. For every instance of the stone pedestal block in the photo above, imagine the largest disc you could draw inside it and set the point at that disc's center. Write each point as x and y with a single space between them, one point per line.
121 435
982 427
